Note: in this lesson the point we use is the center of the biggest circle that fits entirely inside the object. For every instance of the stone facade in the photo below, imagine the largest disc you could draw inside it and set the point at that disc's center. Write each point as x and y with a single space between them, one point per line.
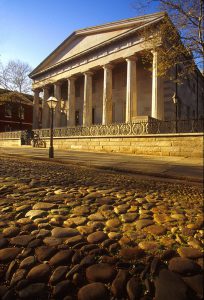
98 77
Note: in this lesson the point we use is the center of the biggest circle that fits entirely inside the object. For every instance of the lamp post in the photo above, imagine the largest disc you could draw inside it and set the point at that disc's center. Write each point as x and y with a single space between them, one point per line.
52 102
175 101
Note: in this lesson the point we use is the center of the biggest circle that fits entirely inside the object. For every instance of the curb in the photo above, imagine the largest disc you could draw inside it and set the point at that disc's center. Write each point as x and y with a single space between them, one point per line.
158 176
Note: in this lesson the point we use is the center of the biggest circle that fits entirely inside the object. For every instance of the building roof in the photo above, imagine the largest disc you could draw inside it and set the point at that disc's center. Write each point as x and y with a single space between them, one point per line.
85 40
8 96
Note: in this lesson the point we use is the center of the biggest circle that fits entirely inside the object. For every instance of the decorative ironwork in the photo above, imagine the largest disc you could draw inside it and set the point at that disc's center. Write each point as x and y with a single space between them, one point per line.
118 129
10 135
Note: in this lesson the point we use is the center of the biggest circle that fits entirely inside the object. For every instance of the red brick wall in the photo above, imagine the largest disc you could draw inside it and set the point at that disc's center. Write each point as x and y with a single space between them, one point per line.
14 122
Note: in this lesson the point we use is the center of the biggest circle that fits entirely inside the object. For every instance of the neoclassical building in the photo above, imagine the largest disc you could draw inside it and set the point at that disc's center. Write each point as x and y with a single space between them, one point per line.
98 77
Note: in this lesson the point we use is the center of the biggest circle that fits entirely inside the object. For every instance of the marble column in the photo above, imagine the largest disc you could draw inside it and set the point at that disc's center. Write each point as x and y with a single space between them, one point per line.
36 109
57 115
87 109
45 108
107 95
154 113
71 102
131 89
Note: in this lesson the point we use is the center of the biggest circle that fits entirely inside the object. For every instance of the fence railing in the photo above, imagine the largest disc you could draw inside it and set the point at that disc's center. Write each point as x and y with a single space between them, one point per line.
10 135
118 129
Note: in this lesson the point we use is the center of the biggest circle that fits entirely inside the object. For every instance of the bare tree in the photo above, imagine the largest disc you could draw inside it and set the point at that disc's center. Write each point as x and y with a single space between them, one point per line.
14 76
182 33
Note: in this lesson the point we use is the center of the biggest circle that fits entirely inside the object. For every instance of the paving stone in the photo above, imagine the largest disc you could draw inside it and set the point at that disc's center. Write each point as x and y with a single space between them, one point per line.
134 289
8 254
195 283
58 274
149 245
129 217
113 223
3 243
28 262
85 230
62 289
96 217
183 265
118 287
131 253
19 275
52 241
73 240
39 273
37 213
156 229
96 237
93 291
79 220
59 232
170 286
44 206
21 240
143 223
11 231
100 272
61 258
189 252
44 252
32 290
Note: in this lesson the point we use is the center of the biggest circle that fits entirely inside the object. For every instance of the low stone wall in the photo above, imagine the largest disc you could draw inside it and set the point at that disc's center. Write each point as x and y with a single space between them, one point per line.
186 145
189 145
13 142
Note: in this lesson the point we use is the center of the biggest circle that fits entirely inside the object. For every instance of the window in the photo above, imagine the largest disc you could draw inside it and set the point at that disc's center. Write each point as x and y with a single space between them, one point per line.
124 79
113 81
8 110
21 112
179 109
188 112
94 86
93 115
77 89
76 117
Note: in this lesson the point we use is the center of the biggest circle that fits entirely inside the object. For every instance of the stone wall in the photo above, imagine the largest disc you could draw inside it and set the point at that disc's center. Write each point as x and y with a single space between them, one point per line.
186 145
190 145
10 142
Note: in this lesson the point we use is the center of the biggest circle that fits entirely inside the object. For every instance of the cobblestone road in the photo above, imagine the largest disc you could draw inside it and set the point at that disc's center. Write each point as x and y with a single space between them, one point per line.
68 232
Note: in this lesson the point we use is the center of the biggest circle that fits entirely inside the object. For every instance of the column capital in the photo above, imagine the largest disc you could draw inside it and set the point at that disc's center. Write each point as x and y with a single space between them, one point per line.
57 83
154 51
72 78
108 66
35 91
131 58
46 87
90 73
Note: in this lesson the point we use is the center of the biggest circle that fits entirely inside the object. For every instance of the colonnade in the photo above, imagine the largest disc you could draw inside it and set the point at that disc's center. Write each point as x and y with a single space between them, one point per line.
131 96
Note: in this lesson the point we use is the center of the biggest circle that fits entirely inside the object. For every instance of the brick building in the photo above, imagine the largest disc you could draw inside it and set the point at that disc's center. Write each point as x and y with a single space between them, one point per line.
16 110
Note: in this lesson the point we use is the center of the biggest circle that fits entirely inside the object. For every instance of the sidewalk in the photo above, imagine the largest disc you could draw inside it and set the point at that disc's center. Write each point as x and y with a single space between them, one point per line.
180 168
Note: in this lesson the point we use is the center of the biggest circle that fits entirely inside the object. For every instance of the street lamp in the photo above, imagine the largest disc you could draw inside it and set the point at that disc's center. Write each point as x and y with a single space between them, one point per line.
175 101
52 102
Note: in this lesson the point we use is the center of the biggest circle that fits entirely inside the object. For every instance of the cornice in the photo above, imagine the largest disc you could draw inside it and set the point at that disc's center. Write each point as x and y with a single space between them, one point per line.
94 29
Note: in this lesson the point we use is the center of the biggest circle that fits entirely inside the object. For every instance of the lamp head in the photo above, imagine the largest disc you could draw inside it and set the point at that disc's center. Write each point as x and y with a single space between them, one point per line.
52 102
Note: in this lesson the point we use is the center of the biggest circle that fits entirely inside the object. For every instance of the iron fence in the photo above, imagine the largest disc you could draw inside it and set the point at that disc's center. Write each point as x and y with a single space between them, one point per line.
118 129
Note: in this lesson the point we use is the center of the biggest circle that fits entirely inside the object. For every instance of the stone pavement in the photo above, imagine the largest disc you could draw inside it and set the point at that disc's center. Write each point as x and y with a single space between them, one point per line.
76 233
181 168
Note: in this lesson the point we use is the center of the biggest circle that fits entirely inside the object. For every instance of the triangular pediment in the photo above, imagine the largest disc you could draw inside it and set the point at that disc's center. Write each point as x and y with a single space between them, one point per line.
89 38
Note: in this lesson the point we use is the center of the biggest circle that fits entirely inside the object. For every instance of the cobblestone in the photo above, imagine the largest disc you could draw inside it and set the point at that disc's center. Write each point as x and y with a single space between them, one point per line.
64 227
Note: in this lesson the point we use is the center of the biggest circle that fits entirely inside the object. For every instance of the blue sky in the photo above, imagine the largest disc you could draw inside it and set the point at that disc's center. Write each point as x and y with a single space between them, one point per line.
31 29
